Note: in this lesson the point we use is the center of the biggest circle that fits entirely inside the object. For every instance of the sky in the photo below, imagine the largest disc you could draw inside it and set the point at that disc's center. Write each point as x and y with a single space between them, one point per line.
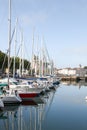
62 24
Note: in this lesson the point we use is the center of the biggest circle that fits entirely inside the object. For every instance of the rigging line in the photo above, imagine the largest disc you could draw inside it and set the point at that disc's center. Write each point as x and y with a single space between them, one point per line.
11 58
46 50
26 51
12 36
18 50
10 44
7 51
28 65
20 28
27 55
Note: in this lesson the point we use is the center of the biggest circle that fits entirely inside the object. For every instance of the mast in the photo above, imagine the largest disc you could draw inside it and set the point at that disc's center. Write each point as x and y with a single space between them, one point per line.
32 60
15 44
36 59
9 40
22 54
42 61
20 61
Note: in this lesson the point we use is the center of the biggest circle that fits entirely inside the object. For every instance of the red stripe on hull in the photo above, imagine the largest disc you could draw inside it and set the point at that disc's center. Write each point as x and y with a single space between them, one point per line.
28 95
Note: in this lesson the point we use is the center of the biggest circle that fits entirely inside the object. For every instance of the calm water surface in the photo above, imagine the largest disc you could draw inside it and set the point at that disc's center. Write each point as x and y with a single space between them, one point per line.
64 109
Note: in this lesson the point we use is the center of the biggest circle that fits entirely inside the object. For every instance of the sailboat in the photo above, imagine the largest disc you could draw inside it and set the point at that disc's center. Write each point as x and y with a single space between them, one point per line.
10 97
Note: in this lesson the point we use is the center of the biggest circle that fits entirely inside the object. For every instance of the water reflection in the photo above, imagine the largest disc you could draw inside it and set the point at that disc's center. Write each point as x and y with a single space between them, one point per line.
27 116
63 109
79 84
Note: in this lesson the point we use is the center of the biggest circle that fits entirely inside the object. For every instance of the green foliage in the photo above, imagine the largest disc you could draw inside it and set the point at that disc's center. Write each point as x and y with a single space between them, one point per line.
4 62
26 64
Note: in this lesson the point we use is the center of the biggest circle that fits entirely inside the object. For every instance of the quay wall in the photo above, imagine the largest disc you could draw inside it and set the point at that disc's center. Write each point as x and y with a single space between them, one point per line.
71 78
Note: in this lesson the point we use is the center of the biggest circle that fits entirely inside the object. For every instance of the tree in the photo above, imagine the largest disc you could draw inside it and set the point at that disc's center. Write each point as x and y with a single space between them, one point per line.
4 62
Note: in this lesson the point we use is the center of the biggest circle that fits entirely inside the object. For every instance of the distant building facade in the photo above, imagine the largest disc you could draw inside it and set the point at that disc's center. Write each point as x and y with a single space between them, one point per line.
73 72
67 71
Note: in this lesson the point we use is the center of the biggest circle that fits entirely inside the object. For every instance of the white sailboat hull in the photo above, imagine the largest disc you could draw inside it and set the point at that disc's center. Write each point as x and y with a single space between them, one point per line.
11 99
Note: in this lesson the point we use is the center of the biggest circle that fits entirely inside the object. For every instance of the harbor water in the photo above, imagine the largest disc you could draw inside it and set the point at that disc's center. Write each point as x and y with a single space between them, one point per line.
62 109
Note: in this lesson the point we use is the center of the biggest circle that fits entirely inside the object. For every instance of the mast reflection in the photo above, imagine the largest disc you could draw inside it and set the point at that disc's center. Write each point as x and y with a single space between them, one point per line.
27 116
